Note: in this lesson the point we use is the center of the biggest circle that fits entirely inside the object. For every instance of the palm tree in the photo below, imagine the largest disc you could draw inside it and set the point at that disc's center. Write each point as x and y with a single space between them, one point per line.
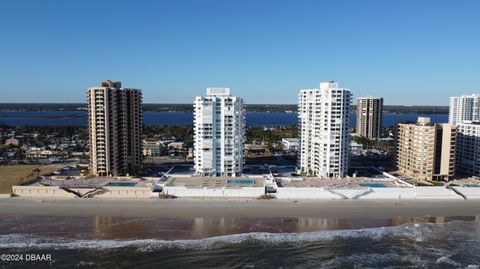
37 171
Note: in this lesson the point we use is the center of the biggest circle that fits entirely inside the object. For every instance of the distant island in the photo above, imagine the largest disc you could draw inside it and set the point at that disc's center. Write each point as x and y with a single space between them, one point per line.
278 108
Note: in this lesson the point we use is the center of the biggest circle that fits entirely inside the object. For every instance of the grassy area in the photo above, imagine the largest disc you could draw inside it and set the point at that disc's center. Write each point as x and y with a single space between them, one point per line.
3 146
436 183
12 174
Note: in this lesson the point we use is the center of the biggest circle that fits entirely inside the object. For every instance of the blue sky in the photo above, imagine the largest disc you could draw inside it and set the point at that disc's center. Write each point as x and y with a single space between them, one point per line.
409 52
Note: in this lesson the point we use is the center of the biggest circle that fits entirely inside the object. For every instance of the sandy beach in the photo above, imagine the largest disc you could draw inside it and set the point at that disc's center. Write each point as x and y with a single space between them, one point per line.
188 233
191 208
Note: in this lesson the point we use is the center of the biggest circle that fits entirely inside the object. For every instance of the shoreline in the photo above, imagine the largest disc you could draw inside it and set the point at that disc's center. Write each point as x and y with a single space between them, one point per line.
241 208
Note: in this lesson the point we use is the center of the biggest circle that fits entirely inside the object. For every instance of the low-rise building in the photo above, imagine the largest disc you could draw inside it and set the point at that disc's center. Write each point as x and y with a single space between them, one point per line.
254 149
151 151
175 145
8 155
290 144
42 154
356 147
167 141
12 141
79 153
153 148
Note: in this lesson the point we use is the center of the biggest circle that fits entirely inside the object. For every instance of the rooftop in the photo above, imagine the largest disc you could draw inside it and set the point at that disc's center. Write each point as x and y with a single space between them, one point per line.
469 122
218 91
369 97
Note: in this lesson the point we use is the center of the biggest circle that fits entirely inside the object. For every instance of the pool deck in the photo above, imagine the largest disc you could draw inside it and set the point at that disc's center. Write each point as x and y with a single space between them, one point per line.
211 182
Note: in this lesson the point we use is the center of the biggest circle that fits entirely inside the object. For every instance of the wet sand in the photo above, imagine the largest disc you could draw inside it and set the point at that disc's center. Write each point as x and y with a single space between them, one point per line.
238 234
217 208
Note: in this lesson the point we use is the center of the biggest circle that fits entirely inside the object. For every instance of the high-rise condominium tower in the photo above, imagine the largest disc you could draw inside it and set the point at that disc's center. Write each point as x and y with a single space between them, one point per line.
464 108
369 116
425 150
115 128
219 127
468 148
324 116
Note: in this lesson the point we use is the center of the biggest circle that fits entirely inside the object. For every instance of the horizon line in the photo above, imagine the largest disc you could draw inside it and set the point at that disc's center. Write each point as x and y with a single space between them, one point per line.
150 103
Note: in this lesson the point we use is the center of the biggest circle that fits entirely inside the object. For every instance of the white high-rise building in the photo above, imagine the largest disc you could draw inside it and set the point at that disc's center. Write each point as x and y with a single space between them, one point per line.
468 148
464 108
219 128
324 117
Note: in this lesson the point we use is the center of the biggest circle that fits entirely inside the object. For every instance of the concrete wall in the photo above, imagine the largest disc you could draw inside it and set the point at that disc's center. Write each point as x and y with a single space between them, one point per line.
390 193
435 193
412 193
249 192
350 193
321 193
373 193
305 193
152 178
56 192
469 192
126 192
41 192
253 192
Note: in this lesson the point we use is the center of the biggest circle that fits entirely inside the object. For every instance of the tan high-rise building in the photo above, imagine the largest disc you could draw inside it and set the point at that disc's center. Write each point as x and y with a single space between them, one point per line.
369 116
426 150
115 129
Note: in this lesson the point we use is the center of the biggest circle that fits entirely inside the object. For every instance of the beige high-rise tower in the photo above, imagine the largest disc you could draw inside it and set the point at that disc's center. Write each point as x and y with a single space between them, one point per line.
115 129
369 116
426 150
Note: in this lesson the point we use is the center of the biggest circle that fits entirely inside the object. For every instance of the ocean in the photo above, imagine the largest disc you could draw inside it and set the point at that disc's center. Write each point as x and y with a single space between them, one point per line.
38 118
114 242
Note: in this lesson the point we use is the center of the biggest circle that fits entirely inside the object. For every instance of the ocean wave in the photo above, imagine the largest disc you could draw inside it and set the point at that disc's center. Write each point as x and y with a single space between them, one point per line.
413 231
372 259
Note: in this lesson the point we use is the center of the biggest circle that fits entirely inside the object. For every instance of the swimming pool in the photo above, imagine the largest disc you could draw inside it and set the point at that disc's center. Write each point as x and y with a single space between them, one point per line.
241 181
373 185
121 184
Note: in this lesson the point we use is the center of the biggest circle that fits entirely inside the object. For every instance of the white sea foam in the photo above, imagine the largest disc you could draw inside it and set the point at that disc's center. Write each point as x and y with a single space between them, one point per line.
447 260
373 259
409 231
